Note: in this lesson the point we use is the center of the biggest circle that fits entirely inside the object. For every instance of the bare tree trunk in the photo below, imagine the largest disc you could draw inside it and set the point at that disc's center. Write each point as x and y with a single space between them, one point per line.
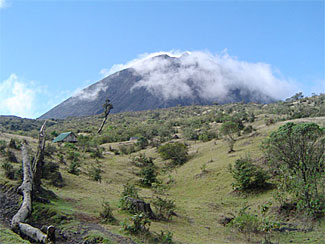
25 209
107 108
102 125
38 160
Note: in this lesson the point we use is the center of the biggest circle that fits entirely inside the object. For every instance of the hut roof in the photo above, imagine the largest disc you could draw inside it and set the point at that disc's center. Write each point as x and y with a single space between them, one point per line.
62 136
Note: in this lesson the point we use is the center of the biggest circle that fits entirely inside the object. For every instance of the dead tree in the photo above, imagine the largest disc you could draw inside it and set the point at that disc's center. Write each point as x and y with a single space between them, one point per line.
107 108
39 160
26 188
140 206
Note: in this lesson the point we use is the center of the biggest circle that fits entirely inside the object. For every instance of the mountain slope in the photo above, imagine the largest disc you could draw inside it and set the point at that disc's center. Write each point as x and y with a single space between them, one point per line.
159 83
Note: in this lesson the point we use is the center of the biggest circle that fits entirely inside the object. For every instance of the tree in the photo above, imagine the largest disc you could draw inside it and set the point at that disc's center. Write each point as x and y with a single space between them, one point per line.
296 153
177 152
247 176
229 129
107 108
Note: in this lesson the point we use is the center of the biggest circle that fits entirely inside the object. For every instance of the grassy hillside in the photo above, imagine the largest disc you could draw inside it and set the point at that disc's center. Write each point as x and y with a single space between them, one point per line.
201 188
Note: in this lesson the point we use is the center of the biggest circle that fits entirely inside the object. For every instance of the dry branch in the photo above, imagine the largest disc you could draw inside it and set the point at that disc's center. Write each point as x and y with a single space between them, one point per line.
107 108
38 160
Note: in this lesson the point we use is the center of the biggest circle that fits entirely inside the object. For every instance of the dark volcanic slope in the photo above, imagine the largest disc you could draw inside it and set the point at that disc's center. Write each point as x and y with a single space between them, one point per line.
118 88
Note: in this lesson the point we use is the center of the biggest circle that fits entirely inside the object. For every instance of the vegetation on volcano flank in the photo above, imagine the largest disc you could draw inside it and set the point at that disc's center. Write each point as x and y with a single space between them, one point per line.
179 164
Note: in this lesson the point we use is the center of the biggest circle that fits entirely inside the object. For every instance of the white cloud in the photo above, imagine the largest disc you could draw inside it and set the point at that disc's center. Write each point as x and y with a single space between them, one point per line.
89 93
17 97
210 76
142 57
3 4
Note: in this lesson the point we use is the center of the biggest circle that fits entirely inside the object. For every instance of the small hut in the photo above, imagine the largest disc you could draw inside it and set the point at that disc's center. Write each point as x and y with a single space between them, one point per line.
66 137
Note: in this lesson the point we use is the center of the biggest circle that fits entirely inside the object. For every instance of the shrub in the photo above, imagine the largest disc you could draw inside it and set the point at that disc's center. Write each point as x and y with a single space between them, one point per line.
141 143
140 224
73 156
141 160
295 152
176 152
11 157
74 167
248 129
61 159
70 146
107 214
149 175
49 150
96 153
95 173
164 238
245 223
127 149
164 208
190 133
247 175
229 129
9 170
14 144
50 172
129 191
269 121
2 147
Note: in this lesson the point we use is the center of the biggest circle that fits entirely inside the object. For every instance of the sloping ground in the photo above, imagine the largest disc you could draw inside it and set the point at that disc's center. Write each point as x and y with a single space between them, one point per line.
202 197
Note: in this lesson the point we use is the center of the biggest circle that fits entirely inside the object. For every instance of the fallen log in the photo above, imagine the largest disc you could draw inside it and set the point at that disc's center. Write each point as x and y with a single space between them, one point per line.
26 188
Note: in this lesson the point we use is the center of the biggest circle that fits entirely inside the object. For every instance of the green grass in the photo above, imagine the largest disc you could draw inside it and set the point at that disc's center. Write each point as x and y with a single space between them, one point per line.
9 237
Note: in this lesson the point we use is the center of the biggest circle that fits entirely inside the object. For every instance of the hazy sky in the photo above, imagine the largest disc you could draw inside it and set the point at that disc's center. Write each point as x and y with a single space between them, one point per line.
51 49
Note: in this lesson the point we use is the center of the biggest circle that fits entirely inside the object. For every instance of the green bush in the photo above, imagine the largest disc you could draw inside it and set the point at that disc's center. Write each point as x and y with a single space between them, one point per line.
148 176
176 152
141 143
164 238
9 170
247 175
141 160
129 191
2 147
127 149
50 172
190 133
140 224
94 173
164 208
49 150
96 153
14 144
107 214
11 157
73 156
245 223
74 167
229 129
248 129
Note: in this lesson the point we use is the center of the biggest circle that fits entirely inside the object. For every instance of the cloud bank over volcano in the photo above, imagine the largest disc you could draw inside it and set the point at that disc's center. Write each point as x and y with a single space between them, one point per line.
175 74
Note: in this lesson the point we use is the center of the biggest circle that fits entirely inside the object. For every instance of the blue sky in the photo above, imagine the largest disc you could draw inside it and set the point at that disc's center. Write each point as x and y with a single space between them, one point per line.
51 49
